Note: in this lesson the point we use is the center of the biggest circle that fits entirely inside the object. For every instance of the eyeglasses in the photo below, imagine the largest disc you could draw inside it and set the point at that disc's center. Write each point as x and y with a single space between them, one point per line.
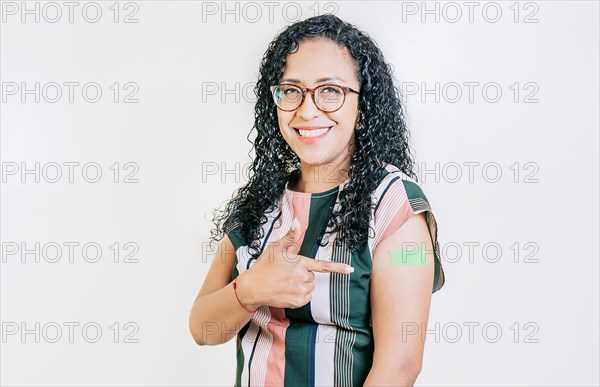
328 98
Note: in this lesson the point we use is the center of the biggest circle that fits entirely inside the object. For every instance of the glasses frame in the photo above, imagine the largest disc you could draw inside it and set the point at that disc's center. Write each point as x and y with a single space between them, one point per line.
312 90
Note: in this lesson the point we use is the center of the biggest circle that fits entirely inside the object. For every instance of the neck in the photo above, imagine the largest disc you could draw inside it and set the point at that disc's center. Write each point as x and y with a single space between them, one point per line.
321 177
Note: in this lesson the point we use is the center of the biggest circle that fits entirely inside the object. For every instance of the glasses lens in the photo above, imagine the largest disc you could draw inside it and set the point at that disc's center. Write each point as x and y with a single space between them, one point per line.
287 97
329 97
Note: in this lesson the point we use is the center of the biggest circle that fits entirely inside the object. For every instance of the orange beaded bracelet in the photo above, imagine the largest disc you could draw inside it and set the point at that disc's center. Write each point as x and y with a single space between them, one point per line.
234 284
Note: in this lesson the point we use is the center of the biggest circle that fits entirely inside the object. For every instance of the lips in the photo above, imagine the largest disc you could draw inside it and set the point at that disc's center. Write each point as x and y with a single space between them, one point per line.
312 134
312 131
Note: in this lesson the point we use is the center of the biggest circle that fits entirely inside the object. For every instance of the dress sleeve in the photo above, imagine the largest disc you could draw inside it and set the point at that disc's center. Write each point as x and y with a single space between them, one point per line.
233 232
399 199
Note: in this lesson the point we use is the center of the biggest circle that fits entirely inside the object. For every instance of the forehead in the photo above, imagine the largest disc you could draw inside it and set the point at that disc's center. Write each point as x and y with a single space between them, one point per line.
318 60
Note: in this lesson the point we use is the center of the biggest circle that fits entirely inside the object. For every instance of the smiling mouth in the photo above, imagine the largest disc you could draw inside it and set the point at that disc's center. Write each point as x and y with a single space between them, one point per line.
312 132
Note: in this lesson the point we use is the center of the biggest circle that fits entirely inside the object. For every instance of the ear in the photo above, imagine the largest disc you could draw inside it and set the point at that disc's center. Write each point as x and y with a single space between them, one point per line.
358 125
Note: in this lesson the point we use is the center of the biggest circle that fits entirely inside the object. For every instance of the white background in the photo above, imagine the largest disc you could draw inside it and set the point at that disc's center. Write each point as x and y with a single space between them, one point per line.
179 131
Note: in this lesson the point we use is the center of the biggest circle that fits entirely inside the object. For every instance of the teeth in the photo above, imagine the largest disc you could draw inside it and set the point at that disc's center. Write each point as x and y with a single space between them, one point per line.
313 133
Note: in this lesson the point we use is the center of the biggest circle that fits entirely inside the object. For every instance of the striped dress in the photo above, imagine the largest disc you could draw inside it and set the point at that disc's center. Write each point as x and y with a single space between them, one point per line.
329 341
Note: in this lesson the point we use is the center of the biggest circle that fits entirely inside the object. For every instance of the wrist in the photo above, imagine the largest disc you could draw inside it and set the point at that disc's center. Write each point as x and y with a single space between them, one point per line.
244 292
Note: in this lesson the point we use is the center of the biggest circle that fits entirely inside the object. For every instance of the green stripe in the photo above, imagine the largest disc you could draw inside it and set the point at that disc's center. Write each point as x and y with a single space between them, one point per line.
350 311
299 350
363 348
240 362
318 215
236 238
414 192
340 311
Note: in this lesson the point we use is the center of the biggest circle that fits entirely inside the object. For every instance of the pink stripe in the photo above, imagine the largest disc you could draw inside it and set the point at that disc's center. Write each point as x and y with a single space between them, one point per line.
395 209
404 212
301 204
276 361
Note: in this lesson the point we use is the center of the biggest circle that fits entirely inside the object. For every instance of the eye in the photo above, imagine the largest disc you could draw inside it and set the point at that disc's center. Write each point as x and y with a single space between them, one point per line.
331 90
289 90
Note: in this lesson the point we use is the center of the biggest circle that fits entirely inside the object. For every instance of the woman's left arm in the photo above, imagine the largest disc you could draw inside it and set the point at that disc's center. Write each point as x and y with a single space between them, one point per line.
401 289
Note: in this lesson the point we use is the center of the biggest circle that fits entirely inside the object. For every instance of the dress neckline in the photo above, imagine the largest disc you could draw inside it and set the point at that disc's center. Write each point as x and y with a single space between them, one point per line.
316 194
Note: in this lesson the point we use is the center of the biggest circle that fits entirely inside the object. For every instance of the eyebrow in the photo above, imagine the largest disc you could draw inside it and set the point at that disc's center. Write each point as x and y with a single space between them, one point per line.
317 81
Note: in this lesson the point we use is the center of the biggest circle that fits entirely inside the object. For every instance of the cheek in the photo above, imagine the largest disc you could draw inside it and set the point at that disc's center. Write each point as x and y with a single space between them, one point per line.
283 121
283 118
347 118
280 124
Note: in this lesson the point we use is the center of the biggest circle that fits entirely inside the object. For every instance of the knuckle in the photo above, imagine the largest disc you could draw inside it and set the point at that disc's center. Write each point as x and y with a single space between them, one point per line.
289 256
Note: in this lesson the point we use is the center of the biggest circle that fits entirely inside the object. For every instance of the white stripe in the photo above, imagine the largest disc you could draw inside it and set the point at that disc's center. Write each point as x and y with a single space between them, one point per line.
243 255
263 347
393 200
320 304
325 355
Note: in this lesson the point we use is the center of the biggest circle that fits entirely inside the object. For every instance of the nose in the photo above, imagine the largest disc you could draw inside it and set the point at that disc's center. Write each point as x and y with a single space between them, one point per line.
308 109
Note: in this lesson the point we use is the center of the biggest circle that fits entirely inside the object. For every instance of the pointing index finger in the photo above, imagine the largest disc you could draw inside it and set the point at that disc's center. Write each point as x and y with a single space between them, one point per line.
323 266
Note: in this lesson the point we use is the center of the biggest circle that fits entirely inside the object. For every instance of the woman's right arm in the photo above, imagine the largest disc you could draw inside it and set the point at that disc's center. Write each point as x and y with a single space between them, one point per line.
216 315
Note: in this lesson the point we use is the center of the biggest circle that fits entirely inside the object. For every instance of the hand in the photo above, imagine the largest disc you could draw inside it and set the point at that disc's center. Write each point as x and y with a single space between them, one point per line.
281 278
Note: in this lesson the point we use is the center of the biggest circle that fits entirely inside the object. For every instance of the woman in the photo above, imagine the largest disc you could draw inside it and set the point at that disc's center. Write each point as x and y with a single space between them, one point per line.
329 255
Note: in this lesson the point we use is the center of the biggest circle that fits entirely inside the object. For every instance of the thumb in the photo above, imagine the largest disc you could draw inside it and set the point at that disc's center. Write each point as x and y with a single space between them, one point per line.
293 234
295 225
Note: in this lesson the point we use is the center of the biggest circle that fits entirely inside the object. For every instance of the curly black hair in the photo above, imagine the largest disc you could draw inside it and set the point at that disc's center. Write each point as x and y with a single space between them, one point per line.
381 136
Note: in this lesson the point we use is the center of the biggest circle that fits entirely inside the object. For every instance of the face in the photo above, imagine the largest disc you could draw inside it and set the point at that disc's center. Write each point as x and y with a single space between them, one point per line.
316 62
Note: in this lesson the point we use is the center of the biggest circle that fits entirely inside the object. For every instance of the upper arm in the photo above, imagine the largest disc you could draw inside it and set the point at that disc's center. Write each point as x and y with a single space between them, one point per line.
401 297
219 274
